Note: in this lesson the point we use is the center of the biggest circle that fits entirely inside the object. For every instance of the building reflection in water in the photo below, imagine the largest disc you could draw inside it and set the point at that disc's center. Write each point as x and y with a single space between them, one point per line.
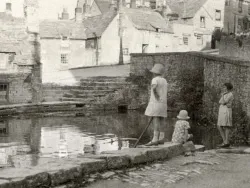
69 141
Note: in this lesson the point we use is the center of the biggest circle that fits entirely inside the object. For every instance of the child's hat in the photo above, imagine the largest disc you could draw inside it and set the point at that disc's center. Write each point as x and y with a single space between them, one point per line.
157 69
183 114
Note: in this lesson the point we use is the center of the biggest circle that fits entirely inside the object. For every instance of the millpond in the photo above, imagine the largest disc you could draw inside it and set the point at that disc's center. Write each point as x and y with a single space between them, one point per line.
24 140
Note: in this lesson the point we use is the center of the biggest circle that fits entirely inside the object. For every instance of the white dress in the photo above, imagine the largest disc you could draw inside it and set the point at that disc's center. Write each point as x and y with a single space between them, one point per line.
225 110
158 108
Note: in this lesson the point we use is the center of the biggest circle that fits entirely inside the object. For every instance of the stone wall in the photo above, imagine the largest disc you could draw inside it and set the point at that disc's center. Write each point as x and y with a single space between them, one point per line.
230 46
184 74
20 43
18 87
195 83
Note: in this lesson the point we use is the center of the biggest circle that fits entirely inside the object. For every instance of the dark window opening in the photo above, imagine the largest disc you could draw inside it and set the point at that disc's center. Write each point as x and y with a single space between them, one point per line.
202 22
240 5
122 108
217 15
144 48
91 43
80 105
227 2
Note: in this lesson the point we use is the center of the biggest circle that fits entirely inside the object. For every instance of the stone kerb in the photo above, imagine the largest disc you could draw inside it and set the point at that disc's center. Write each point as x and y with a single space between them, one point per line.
57 172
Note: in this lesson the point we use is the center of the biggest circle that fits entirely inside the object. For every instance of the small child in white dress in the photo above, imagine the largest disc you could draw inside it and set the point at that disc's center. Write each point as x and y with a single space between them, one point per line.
157 106
181 135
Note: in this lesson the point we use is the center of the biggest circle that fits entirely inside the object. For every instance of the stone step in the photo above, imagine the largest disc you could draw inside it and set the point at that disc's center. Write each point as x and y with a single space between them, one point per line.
77 91
100 87
88 100
105 79
86 95
93 83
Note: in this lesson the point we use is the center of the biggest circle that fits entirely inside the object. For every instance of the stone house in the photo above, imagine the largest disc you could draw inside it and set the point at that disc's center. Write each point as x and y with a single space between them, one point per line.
194 22
90 8
235 11
19 55
67 45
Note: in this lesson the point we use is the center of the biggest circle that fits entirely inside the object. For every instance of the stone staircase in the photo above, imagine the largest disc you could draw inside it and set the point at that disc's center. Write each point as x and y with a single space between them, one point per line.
93 89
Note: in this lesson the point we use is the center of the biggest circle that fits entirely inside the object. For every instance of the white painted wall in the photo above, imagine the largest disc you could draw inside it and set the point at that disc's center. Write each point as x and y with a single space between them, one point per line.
133 39
53 70
110 44
207 11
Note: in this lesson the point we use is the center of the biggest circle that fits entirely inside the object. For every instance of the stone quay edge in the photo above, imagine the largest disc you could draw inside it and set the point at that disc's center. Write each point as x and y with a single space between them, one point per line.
51 172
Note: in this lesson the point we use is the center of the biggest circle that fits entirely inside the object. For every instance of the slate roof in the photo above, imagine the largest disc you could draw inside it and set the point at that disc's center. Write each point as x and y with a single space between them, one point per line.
147 20
98 24
80 3
191 6
104 6
8 18
55 28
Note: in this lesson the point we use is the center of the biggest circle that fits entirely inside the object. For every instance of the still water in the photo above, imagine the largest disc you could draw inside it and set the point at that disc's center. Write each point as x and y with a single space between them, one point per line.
25 139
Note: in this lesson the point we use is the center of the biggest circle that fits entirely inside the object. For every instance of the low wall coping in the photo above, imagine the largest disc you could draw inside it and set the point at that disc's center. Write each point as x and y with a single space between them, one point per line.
66 170
224 59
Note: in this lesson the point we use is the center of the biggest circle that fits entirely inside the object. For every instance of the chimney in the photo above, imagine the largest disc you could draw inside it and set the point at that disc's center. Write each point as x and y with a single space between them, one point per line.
8 8
65 14
182 3
87 9
164 11
132 3
113 4
78 14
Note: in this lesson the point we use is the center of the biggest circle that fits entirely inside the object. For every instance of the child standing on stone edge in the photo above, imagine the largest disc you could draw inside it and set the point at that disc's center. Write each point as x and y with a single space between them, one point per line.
157 106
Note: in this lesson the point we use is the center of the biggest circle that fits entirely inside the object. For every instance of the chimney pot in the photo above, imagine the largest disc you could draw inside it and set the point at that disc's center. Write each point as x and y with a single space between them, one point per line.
65 14
8 8
78 14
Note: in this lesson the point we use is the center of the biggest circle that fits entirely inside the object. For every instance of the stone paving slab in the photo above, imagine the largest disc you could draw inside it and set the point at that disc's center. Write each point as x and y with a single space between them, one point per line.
236 150
53 172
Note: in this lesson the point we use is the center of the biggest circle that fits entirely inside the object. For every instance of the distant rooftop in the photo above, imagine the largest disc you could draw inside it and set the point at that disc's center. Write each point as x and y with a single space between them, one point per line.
57 28
147 20
189 10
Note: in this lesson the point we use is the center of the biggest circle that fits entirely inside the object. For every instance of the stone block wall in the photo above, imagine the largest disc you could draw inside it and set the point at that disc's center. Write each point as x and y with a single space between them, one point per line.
230 46
195 83
20 41
218 71
183 72
18 87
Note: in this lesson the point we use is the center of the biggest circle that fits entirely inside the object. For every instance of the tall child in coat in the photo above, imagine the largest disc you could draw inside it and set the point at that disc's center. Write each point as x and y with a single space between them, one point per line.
157 106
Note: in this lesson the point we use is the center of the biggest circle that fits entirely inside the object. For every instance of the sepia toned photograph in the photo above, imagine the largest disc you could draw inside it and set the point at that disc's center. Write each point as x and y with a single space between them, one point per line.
124 93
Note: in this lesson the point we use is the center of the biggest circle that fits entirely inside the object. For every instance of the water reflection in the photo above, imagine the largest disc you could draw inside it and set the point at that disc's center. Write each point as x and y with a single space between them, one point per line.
23 141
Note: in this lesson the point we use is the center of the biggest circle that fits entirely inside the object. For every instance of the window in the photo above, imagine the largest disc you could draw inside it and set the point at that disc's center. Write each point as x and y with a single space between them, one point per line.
91 43
240 25
153 4
240 6
125 51
3 91
227 2
199 39
202 22
144 48
249 8
185 40
3 127
64 58
4 59
217 15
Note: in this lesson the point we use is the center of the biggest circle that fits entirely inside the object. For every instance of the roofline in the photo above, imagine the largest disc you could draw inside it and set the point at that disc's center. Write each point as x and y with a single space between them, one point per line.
59 38
155 31
7 52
